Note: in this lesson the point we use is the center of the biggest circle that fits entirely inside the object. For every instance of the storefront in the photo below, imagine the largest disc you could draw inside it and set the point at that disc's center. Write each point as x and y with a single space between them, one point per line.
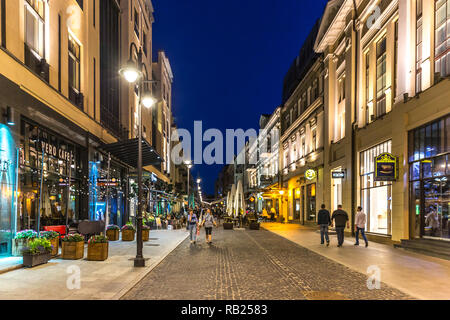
8 169
429 176
47 162
376 196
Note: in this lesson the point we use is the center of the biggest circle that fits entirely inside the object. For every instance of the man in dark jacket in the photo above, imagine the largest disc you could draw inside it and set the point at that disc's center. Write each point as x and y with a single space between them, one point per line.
323 220
340 218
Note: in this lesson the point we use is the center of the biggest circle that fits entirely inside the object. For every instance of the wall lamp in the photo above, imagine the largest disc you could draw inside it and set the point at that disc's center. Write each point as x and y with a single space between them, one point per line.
9 116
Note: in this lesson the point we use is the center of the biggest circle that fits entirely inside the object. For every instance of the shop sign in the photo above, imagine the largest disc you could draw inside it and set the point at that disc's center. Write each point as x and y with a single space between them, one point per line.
338 174
310 174
386 167
55 152
103 182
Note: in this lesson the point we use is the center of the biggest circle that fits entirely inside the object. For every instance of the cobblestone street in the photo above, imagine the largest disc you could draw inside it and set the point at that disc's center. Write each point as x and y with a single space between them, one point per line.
253 265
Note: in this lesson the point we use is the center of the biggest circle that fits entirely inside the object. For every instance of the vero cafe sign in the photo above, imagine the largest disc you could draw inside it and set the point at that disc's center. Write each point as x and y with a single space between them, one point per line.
52 150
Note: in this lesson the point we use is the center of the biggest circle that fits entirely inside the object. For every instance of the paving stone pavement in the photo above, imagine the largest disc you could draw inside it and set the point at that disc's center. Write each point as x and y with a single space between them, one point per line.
253 265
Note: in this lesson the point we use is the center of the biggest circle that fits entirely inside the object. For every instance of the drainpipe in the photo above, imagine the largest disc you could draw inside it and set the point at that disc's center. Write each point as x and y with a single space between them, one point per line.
355 109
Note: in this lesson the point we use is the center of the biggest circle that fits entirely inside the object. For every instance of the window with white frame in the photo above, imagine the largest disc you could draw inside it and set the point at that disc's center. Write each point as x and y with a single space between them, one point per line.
381 77
74 65
442 37
341 88
303 144
314 139
34 26
368 111
418 46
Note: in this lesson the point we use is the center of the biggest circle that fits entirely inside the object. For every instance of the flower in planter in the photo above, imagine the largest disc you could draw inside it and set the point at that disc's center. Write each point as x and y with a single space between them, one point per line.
145 227
112 227
128 227
49 235
98 239
26 234
73 238
38 246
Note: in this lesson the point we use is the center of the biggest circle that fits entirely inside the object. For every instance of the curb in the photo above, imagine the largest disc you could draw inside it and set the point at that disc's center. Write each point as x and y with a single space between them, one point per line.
144 273
17 267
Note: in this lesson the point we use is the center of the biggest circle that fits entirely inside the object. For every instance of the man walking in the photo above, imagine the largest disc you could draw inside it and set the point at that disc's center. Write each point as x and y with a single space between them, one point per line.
324 220
340 218
360 224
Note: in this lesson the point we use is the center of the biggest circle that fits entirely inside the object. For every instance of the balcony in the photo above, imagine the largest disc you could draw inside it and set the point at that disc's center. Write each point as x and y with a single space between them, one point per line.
36 64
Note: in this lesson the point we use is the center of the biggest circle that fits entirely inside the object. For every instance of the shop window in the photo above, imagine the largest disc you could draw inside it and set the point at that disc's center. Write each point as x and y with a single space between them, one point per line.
442 35
376 197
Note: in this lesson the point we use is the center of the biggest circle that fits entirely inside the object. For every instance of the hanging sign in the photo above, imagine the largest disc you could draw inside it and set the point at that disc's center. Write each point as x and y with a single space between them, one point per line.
386 167
310 174
338 174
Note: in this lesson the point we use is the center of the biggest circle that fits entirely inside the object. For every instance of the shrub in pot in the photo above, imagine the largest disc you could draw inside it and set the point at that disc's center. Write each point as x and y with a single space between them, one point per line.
53 237
21 241
72 247
98 248
254 225
112 232
128 232
37 252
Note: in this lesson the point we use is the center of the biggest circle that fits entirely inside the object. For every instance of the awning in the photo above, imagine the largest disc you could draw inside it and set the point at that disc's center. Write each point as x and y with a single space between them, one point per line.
127 152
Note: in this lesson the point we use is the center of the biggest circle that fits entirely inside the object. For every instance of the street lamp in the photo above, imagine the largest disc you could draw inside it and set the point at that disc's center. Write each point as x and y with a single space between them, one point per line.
132 74
188 164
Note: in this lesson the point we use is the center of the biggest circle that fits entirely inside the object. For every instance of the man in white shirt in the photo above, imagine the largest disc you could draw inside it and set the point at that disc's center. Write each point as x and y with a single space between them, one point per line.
360 224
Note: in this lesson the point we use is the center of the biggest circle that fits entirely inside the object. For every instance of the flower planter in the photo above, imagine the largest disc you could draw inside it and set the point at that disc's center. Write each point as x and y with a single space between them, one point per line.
128 235
97 251
113 235
18 245
32 260
55 246
72 250
145 235
228 225
254 226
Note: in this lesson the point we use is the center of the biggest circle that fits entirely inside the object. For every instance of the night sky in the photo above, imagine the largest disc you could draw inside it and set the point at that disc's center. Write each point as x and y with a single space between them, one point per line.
229 59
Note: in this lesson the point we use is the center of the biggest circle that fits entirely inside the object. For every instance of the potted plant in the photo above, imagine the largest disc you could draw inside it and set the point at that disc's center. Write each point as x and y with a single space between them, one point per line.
112 232
145 232
53 237
128 232
72 247
98 248
37 252
21 240
228 223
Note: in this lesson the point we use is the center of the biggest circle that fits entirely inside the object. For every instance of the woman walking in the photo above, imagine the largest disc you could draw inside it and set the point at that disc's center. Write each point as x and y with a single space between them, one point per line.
208 221
192 223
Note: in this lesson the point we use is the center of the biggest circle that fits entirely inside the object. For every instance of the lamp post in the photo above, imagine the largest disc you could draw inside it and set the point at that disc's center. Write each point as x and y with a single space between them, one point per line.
188 164
132 74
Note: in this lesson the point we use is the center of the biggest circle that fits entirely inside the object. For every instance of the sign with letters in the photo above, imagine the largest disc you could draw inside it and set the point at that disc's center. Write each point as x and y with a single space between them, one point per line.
338 174
55 151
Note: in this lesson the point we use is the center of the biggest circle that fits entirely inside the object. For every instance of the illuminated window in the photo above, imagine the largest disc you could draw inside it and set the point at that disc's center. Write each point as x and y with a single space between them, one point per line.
34 26
368 111
381 77
442 37
418 46
74 65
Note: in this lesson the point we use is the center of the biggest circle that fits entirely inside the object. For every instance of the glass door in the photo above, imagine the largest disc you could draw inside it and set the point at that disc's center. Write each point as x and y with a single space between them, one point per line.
436 207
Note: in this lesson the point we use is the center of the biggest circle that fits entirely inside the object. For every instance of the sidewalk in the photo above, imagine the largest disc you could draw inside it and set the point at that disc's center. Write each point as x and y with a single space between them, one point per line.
420 276
106 280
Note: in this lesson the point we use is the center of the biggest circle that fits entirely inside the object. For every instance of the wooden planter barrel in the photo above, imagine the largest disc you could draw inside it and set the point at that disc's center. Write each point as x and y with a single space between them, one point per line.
72 250
98 251
228 225
113 235
145 235
32 260
254 225
55 246
128 235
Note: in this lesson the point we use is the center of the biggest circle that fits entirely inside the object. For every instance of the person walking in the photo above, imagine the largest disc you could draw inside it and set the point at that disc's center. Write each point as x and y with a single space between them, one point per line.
360 224
340 218
208 222
324 221
192 221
